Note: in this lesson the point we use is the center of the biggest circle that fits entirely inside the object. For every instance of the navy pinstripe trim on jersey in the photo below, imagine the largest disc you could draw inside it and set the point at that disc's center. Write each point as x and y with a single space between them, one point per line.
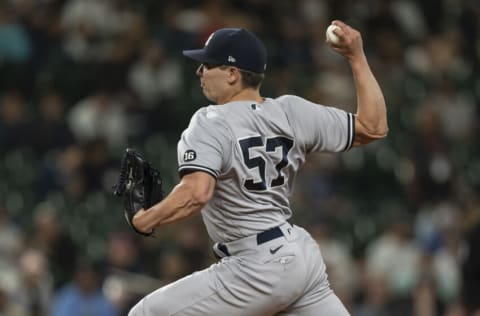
192 167
350 131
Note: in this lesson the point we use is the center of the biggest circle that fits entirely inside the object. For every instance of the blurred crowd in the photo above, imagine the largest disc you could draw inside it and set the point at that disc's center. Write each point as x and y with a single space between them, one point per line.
80 80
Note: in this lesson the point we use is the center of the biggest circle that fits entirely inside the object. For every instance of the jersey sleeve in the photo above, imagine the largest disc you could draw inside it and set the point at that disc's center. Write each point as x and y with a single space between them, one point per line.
319 127
204 145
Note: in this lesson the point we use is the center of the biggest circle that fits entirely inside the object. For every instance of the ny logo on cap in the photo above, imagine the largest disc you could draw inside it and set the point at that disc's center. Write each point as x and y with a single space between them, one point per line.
231 59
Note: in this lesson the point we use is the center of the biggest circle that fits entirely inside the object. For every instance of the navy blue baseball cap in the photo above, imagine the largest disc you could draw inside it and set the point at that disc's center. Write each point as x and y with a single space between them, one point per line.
232 46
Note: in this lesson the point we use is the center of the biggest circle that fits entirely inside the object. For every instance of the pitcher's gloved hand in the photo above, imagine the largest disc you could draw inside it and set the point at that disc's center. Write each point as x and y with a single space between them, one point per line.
139 186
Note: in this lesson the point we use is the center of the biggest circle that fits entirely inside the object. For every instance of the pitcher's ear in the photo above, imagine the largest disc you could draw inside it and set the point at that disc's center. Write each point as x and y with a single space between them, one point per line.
234 75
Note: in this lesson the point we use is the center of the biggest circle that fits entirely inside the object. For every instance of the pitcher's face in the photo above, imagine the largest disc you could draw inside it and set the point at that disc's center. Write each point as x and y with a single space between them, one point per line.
215 81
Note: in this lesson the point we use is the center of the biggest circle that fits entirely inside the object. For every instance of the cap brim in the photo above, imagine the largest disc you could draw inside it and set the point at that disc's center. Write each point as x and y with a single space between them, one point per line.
198 55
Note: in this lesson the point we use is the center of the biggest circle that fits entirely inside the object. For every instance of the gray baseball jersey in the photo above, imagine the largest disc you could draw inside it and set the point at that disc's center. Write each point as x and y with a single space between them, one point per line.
269 266
254 151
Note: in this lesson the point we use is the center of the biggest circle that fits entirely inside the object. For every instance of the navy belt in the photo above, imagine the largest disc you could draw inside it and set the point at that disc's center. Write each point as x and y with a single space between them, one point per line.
263 237
271 234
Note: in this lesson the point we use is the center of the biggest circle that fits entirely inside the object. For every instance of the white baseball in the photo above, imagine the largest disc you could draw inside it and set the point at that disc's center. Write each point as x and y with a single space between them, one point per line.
332 37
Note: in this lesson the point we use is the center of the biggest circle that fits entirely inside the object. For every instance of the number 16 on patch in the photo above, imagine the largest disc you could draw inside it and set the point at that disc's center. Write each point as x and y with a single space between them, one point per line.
189 155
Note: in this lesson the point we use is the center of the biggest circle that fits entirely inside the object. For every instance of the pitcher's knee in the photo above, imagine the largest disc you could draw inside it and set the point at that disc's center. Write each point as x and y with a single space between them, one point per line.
137 310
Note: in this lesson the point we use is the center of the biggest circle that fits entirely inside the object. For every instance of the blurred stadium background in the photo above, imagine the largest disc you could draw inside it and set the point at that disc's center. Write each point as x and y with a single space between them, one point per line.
80 80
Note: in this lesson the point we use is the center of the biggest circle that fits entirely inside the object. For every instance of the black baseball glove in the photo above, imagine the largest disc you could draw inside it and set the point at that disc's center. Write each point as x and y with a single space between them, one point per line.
139 185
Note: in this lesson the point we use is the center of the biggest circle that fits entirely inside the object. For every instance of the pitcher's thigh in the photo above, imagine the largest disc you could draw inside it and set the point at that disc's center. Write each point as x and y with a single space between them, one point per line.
223 289
328 306
176 297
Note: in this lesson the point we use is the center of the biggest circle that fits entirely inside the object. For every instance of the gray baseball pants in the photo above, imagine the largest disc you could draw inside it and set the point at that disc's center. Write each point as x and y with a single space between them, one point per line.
284 276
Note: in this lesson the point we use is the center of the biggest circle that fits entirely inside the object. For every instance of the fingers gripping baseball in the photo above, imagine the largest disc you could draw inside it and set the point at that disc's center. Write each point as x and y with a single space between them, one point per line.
345 40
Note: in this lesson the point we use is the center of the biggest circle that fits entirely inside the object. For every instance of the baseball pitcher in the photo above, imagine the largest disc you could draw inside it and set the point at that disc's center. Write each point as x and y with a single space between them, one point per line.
237 161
